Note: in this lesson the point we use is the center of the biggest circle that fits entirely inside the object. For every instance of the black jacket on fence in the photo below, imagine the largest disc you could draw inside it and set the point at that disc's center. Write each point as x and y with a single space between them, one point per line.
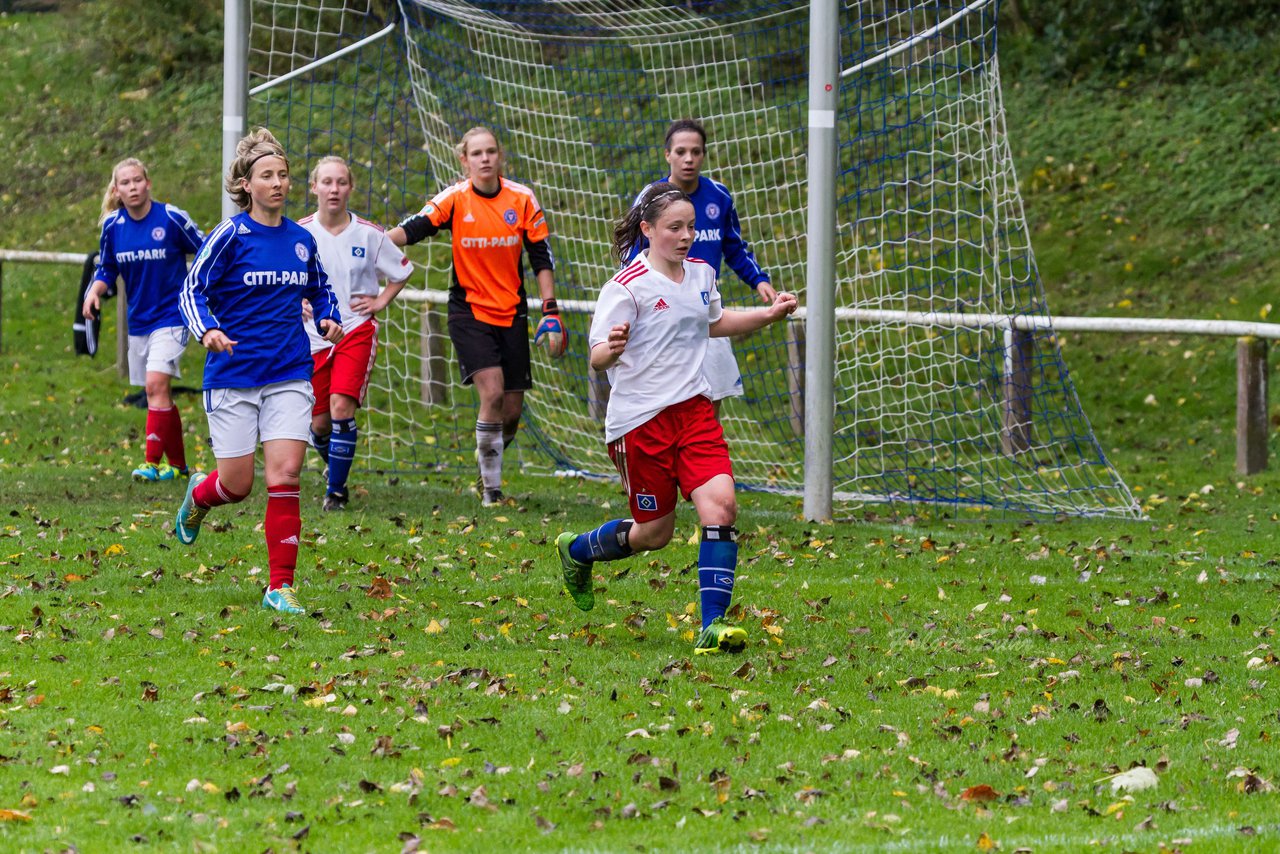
84 331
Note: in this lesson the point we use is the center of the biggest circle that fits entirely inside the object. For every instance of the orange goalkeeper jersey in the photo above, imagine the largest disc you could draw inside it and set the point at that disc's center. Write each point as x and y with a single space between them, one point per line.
490 235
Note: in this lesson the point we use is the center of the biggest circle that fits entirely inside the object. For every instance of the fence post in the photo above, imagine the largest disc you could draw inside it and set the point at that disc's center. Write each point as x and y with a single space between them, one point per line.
122 331
597 394
793 332
1015 421
435 367
1251 405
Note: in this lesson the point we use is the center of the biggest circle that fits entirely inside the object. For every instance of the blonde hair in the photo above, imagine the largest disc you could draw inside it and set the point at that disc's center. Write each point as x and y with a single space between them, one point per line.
325 161
258 144
461 149
111 199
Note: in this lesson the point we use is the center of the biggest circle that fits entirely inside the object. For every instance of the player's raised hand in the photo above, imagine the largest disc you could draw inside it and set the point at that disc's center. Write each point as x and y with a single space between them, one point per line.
331 331
618 338
783 305
216 341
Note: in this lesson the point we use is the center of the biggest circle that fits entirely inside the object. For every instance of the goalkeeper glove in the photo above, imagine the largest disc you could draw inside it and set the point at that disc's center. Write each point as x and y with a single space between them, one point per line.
551 333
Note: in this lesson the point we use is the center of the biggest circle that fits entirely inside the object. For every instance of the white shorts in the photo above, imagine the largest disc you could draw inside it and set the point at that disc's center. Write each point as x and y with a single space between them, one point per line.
720 367
156 352
239 418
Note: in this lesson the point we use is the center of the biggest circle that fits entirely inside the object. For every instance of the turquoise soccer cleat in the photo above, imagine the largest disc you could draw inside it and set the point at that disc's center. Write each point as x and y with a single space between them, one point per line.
147 472
719 637
187 523
577 575
283 599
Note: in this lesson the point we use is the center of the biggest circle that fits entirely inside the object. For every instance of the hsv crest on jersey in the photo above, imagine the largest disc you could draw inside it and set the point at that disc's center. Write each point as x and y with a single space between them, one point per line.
713 210
509 216
706 298
157 233
302 253
646 502
357 251
661 305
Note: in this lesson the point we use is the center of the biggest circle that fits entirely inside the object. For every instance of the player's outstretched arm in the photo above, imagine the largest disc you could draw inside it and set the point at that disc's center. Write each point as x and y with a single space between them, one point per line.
741 322
605 354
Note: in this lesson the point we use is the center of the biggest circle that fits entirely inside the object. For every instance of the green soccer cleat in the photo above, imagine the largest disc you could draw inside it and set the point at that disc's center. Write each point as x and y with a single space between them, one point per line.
164 471
283 599
577 575
719 637
187 523
149 472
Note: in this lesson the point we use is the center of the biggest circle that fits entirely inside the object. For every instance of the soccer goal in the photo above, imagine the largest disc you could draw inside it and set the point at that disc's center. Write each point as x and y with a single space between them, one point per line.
949 386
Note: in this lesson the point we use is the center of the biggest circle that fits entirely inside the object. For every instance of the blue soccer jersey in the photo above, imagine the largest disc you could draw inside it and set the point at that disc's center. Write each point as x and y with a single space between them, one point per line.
150 254
249 280
719 233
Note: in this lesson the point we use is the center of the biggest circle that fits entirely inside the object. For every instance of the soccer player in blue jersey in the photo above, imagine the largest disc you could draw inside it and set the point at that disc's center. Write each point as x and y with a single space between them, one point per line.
146 243
719 239
242 299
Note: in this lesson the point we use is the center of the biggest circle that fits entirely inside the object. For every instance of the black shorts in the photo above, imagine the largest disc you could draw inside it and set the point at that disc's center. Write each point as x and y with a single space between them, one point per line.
481 345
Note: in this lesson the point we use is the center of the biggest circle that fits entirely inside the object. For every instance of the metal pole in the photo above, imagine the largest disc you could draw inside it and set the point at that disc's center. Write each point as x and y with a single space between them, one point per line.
1 306
820 341
235 85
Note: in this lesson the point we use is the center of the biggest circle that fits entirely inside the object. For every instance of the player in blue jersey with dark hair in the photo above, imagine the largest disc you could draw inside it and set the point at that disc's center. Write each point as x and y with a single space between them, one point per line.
243 300
719 239
146 243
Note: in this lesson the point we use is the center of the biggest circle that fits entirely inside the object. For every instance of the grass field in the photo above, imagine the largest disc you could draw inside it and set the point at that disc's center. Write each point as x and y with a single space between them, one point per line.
909 686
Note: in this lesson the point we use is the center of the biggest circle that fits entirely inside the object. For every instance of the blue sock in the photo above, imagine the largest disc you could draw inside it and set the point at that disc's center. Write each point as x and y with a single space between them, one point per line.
342 451
717 561
608 542
321 444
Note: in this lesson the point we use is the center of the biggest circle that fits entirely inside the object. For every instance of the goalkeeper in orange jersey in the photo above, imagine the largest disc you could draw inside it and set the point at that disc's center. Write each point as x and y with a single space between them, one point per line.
494 222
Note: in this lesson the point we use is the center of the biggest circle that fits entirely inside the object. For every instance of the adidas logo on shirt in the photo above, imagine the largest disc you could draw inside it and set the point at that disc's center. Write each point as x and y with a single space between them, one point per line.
468 217
152 437
243 229
289 541
661 305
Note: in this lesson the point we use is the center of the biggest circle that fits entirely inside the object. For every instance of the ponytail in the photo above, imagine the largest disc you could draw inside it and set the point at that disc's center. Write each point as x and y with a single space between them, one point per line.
258 144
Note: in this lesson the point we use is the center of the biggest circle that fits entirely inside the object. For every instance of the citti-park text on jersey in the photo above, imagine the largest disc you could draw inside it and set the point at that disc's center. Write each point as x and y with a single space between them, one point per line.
489 242
275 277
127 257
706 235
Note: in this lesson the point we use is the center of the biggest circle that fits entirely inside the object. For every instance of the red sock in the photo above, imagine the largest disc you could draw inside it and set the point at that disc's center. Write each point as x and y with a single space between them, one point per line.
169 427
155 435
282 527
210 493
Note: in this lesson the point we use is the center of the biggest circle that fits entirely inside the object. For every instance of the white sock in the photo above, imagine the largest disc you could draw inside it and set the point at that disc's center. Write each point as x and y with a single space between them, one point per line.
489 453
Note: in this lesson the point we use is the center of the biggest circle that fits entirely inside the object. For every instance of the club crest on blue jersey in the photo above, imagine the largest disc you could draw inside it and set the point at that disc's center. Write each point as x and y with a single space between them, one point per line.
713 210
509 216
647 502
302 252
157 233
357 251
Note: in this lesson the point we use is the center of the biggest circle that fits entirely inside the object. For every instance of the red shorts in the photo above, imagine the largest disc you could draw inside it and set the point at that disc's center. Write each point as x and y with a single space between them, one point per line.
682 446
345 369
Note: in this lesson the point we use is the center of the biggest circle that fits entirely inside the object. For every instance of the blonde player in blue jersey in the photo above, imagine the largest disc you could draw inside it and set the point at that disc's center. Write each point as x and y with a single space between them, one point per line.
242 301
718 239
650 332
146 243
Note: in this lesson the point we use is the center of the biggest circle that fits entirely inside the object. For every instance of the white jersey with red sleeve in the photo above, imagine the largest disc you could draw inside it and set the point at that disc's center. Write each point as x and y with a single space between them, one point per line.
662 362
355 259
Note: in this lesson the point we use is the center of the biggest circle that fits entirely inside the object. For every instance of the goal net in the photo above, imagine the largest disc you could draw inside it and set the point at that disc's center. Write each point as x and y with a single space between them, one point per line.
950 386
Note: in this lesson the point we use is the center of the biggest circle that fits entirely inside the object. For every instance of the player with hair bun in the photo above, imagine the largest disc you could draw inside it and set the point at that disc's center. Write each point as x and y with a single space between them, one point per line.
718 238
146 243
650 332
493 222
241 299
355 254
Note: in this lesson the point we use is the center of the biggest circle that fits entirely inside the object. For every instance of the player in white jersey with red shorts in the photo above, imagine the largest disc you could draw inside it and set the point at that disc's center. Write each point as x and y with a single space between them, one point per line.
650 332
355 253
